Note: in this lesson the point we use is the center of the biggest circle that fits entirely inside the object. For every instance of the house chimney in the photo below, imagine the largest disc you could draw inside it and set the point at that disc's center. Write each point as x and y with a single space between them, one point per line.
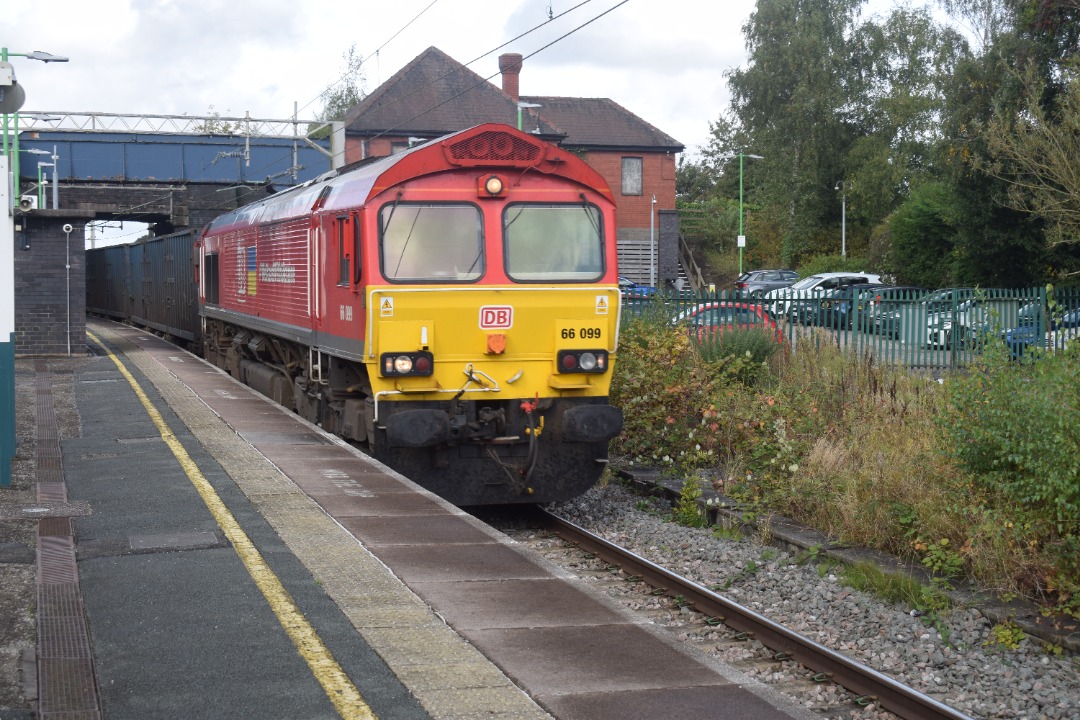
510 67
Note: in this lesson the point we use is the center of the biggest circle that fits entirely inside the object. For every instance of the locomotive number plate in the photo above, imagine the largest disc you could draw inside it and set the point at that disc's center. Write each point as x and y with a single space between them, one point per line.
575 332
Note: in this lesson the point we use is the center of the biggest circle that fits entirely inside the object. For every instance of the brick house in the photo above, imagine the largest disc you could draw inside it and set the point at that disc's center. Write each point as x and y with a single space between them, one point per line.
434 95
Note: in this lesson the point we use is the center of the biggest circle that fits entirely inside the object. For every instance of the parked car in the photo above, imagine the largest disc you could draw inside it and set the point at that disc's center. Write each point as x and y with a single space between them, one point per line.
835 308
970 322
630 289
758 282
946 298
705 320
814 287
1034 329
889 309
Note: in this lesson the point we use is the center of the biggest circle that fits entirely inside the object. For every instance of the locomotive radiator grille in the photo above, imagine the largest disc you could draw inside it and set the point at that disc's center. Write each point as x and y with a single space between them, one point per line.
494 148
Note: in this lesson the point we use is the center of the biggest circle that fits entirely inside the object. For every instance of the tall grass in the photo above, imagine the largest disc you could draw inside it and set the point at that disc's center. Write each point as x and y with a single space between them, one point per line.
835 440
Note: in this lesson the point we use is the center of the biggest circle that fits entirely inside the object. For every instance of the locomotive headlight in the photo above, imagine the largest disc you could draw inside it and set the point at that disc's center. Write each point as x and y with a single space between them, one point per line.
582 361
587 361
491 186
413 363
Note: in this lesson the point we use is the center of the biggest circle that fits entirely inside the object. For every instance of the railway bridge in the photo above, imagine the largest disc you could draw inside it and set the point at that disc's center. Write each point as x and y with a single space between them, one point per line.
170 172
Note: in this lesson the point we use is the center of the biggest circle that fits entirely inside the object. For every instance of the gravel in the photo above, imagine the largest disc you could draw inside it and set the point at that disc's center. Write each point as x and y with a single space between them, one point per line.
966 669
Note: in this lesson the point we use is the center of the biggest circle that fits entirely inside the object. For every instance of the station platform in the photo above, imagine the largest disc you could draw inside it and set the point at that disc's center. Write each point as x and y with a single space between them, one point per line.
203 553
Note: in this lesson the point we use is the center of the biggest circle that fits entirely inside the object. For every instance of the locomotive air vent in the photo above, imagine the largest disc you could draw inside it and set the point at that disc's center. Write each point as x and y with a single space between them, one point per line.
494 148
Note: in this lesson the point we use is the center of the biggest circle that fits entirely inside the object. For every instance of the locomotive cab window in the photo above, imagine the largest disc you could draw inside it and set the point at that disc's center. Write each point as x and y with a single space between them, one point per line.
431 243
344 251
553 243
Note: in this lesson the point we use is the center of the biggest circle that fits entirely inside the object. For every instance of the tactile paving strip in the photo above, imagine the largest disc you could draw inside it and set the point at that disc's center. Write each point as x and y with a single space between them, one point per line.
66 685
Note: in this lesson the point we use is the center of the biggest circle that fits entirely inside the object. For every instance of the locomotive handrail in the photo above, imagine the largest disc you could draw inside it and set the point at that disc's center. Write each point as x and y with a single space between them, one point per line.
470 372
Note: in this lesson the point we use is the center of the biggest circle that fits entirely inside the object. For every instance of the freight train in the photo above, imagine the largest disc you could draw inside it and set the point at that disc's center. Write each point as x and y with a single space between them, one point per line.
454 307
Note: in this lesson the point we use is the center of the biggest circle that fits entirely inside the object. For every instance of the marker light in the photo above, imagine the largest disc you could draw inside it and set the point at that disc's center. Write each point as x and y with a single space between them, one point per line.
492 186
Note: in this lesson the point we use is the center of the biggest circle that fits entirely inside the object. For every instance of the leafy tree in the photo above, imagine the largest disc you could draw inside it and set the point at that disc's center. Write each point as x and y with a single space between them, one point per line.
1036 152
694 181
903 65
345 92
922 238
793 105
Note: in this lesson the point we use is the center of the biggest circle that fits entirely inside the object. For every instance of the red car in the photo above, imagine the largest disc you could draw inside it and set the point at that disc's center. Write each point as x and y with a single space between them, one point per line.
706 319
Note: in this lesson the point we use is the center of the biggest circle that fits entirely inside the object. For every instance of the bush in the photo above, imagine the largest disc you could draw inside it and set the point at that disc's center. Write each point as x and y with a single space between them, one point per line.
978 476
744 353
1014 428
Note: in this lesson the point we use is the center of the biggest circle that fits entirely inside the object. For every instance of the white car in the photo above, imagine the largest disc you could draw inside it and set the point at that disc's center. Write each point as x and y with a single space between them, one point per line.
780 301
970 322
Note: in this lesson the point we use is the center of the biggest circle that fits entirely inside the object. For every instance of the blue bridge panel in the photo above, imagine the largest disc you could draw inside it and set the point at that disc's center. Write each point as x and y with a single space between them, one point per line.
160 157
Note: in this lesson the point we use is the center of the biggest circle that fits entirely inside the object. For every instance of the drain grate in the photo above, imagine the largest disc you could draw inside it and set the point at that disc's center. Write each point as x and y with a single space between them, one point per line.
66 685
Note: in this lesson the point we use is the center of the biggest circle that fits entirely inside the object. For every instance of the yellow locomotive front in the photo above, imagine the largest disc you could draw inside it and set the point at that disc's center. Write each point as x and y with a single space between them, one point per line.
491 325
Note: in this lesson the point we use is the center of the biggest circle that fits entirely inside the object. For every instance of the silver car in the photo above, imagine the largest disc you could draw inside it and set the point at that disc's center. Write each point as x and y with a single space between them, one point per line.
783 301
758 282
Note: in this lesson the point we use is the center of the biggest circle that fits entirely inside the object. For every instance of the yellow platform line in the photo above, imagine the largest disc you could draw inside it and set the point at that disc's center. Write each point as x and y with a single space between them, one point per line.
341 691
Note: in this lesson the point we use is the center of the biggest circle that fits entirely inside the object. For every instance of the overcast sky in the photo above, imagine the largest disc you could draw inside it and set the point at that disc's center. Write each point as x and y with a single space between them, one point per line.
663 60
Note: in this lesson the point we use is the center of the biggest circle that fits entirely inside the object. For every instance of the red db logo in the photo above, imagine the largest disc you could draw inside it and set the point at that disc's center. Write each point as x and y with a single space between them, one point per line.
496 317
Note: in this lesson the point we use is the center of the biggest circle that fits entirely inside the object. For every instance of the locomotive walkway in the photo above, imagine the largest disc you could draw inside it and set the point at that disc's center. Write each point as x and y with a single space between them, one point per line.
224 558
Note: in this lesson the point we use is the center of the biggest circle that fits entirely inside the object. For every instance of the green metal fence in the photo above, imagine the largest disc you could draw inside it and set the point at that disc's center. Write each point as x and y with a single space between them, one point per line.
919 328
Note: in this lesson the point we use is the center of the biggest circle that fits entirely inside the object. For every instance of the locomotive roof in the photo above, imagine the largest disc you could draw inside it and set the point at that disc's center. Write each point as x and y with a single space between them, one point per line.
464 149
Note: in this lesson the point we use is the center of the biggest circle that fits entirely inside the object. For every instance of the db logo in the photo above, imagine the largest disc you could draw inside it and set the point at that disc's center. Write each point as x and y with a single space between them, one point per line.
496 317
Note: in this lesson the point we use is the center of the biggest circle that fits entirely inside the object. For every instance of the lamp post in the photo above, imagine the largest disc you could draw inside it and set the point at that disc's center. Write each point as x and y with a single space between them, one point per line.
40 187
843 217
11 99
14 153
41 164
652 243
742 238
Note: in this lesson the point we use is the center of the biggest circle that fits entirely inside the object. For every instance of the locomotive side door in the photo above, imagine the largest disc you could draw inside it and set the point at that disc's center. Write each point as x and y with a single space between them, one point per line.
341 273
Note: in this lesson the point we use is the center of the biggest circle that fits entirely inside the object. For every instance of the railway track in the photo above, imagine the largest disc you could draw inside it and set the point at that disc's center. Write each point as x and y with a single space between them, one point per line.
868 686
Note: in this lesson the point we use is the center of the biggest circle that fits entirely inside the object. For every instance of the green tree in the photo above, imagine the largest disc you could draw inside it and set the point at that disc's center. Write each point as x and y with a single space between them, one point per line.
345 92
922 238
903 65
1000 240
1036 152
793 104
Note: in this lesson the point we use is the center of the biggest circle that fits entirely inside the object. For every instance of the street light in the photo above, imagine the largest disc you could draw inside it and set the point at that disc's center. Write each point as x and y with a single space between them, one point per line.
40 187
10 161
742 238
843 217
45 57
41 164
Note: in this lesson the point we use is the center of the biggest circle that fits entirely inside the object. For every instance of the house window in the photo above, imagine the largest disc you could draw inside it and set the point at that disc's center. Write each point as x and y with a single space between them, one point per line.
631 176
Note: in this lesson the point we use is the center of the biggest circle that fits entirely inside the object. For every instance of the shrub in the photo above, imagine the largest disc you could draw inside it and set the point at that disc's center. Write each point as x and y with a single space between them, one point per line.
1013 427
744 353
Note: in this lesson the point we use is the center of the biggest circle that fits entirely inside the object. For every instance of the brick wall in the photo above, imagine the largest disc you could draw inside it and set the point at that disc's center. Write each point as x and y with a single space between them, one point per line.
657 178
42 287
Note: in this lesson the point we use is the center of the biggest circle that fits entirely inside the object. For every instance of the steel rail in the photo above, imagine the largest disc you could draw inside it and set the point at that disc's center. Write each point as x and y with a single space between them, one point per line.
829 664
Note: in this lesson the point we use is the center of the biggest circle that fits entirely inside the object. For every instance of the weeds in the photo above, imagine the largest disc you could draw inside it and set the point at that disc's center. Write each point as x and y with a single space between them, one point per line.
1005 635
974 477
688 512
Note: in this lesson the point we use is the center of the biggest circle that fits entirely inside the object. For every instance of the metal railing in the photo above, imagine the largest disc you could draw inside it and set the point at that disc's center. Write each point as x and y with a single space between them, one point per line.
944 328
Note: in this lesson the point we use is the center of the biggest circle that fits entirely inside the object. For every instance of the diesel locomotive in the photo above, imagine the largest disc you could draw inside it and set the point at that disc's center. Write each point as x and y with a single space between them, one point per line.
454 307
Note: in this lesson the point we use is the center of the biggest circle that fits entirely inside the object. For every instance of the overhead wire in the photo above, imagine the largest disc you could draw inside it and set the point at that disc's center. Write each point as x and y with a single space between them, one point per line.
489 77
363 60
478 58
551 18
